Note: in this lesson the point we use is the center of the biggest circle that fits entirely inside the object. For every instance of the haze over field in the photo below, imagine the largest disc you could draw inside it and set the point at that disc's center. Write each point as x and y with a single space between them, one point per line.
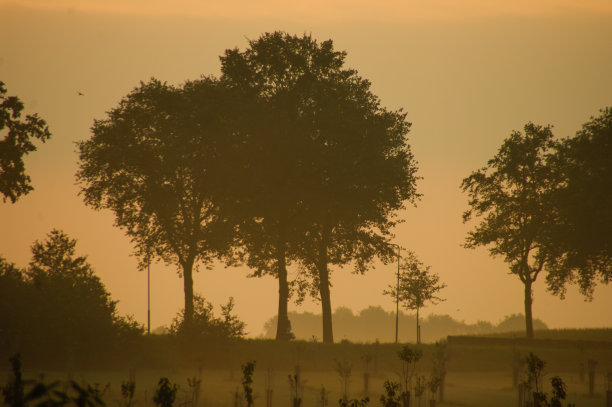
467 76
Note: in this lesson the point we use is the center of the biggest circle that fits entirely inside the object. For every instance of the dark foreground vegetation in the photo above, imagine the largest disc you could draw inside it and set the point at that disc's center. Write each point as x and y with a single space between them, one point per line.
470 373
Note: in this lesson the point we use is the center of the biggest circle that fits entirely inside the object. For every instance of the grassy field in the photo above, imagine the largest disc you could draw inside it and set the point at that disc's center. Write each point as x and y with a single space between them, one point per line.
474 389
479 372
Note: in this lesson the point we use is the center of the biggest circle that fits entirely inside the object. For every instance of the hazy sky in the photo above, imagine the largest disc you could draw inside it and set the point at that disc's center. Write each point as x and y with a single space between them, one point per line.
467 73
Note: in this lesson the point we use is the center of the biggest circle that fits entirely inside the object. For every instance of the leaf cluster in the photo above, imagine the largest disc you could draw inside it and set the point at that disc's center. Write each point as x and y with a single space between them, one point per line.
17 143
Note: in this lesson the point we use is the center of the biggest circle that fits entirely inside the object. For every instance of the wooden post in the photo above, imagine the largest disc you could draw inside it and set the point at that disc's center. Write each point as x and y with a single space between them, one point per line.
591 383
609 391
592 365
406 399
269 397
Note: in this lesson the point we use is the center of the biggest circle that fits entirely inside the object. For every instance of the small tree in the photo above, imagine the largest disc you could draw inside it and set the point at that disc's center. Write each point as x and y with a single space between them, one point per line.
165 393
247 381
206 324
416 288
392 395
409 358
420 386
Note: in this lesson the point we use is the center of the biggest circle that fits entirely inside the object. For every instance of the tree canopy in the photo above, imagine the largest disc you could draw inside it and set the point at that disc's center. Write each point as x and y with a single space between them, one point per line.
335 165
158 161
512 197
17 143
582 203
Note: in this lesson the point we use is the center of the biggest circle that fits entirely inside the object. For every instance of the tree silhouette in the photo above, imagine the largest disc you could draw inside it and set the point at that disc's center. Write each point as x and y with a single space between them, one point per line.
15 144
582 236
332 164
416 288
512 197
158 161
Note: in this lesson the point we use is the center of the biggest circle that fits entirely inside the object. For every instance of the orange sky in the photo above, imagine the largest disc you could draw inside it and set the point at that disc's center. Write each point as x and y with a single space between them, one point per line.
467 73
325 10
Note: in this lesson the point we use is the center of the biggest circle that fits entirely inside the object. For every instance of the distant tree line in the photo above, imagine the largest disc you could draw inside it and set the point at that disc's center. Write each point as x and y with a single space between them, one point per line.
374 323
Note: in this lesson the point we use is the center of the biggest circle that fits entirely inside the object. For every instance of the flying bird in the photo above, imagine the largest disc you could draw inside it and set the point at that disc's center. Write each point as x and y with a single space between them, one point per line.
80 94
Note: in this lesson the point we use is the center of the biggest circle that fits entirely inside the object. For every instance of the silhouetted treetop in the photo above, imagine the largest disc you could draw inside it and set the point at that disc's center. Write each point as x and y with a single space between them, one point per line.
17 143
158 161
582 236
329 165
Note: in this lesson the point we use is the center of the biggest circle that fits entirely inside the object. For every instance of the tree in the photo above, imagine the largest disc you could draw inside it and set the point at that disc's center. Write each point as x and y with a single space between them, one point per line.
417 287
57 305
16 144
206 325
336 164
582 203
159 162
512 197
73 304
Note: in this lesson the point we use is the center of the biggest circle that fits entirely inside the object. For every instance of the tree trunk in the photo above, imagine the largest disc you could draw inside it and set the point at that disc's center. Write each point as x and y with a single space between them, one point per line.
528 314
283 330
328 335
188 288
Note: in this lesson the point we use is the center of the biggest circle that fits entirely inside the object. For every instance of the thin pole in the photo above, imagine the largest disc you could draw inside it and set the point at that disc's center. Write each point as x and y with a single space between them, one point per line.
148 292
397 295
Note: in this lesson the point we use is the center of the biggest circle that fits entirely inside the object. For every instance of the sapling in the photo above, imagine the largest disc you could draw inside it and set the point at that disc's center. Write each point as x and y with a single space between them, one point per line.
409 358
535 367
194 383
128 389
433 384
591 364
344 369
247 381
165 393
353 403
269 390
367 358
441 357
420 386
392 395
323 397
295 385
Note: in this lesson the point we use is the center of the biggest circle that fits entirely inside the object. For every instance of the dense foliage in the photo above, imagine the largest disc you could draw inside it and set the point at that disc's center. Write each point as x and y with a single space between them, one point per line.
17 143
57 304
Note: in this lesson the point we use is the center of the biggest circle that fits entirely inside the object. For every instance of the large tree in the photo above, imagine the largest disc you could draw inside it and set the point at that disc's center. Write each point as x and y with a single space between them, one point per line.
17 143
158 161
269 162
512 198
330 164
583 234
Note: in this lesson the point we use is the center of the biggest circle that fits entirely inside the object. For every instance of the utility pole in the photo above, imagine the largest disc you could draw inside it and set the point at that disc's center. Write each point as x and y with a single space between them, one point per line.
397 294
148 290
